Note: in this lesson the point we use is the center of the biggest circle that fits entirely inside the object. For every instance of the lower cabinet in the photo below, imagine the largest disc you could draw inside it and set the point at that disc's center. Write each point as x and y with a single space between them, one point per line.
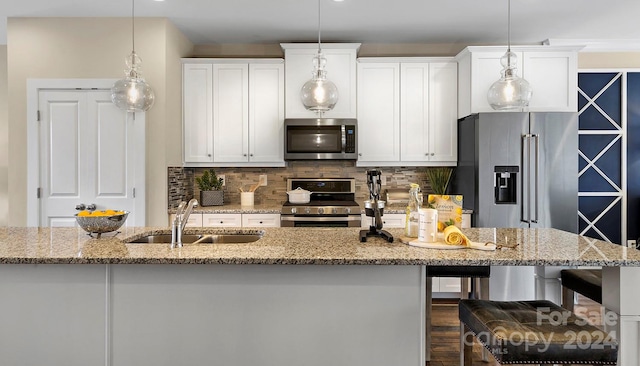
440 285
221 220
231 220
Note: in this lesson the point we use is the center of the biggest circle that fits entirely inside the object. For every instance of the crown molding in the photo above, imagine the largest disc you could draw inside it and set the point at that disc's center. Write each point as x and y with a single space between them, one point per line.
598 45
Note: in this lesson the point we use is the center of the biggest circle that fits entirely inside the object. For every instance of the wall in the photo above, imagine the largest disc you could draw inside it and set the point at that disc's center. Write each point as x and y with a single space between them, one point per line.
610 60
57 48
4 137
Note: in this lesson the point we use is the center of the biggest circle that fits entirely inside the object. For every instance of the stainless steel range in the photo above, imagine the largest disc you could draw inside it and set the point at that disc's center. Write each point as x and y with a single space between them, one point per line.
332 204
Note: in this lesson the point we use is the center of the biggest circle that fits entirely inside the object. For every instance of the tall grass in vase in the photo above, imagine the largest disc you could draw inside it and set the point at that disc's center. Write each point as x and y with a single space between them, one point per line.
439 178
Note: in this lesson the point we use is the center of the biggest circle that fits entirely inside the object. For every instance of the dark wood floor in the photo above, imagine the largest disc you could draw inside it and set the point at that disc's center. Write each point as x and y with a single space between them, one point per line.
445 347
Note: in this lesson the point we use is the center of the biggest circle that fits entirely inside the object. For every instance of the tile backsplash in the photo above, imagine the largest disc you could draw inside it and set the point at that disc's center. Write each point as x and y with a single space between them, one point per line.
182 180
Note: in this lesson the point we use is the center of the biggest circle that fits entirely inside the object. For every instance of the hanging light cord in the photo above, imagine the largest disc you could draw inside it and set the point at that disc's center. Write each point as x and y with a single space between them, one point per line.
509 26
319 42
133 27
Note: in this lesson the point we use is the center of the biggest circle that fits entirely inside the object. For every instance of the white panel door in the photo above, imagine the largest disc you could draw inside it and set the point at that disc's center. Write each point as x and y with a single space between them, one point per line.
378 112
266 113
87 155
414 112
197 112
230 113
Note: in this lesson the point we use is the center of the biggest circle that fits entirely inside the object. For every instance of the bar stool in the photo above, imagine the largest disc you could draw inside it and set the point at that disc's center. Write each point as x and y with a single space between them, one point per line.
518 332
587 282
479 276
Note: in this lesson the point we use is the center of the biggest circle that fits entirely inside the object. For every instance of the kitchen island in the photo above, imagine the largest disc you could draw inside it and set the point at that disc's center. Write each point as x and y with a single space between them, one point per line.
307 296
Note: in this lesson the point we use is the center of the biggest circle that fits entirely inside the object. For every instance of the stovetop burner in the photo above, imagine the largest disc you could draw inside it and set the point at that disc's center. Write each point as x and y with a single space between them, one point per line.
333 197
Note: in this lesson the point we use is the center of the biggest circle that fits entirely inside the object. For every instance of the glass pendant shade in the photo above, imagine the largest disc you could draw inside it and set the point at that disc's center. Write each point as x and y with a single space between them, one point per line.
319 94
511 92
132 93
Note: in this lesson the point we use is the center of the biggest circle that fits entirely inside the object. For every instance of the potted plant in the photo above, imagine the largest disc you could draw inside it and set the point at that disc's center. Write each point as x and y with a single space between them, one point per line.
210 185
439 178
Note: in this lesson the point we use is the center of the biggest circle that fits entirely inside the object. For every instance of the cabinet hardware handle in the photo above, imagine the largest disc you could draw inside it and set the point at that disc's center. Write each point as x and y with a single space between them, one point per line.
91 207
80 207
432 154
244 154
250 154
209 155
261 222
359 154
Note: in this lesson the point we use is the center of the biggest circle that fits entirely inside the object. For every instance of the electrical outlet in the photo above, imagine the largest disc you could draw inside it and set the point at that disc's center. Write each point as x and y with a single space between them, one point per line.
383 180
631 243
263 180
224 179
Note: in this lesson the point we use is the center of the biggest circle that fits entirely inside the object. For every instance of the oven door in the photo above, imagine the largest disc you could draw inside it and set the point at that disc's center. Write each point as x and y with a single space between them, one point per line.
319 221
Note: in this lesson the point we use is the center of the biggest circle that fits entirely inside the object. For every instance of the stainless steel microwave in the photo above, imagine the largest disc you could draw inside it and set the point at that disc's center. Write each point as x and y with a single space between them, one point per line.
320 138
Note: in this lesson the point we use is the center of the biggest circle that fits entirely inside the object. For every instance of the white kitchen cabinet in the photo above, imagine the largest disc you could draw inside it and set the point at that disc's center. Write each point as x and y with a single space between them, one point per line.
260 220
341 70
194 220
407 111
197 109
388 220
552 72
244 113
221 220
428 120
378 112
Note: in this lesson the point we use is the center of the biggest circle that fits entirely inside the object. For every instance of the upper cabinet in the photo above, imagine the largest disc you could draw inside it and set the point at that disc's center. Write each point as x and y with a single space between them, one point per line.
233 112
407 111
341 70
551 71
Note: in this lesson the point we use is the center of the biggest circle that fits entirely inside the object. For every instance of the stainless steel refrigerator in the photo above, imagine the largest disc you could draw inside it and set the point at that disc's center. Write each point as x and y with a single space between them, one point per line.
518 169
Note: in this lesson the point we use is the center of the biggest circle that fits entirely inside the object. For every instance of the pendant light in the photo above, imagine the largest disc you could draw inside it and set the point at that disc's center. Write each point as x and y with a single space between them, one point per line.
319 94
510 92
132 93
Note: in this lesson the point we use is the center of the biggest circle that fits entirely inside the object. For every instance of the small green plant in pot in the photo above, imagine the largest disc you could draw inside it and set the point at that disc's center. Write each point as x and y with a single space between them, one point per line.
211 193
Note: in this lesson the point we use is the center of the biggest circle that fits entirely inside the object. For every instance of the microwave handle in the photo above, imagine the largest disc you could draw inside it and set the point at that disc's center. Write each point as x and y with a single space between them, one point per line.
343 133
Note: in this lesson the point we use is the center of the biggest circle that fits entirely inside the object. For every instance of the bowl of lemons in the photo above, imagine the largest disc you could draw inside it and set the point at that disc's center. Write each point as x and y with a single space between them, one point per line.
101 221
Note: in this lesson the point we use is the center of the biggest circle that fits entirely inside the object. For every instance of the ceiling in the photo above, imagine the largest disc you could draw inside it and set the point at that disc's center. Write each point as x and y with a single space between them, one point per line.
368 21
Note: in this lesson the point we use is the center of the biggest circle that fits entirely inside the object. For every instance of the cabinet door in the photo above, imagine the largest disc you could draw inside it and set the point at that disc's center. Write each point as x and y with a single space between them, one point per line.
260 220
222 220
414 112
553 78
194 220
485 70
231 112
197 113
266 113
443 121
378 112
341 70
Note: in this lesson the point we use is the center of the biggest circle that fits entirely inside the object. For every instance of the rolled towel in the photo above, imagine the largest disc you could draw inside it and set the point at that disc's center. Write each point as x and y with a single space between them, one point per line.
453 236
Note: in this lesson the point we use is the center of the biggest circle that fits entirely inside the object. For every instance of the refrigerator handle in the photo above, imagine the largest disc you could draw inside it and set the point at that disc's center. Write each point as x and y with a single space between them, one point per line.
537 166
525 141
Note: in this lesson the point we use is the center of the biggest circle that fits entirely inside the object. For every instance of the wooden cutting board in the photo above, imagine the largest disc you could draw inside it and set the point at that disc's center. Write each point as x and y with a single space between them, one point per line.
442 245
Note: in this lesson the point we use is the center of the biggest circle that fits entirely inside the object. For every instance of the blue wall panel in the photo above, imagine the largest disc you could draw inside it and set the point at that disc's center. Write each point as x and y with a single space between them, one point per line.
633 155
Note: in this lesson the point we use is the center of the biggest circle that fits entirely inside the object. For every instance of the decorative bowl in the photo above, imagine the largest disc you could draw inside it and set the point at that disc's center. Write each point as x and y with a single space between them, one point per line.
101 224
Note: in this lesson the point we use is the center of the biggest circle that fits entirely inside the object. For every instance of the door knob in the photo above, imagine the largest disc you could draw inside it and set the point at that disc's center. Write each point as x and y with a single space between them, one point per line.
80 207
91 207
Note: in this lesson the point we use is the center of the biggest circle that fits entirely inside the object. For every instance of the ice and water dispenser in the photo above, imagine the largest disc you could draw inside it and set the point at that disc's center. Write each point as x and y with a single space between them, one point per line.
504 184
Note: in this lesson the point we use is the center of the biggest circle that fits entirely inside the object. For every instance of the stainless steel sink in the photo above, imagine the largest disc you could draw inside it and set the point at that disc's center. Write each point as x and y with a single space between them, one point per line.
165 239
199 239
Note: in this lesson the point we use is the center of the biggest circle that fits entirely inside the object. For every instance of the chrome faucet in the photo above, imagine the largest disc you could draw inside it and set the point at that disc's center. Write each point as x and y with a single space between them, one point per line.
180 221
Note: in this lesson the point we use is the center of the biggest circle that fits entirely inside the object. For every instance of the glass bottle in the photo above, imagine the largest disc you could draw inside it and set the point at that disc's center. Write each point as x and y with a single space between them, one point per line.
413 212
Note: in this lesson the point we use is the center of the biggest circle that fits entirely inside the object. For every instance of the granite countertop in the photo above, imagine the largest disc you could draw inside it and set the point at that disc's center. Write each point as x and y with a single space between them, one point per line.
308 246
